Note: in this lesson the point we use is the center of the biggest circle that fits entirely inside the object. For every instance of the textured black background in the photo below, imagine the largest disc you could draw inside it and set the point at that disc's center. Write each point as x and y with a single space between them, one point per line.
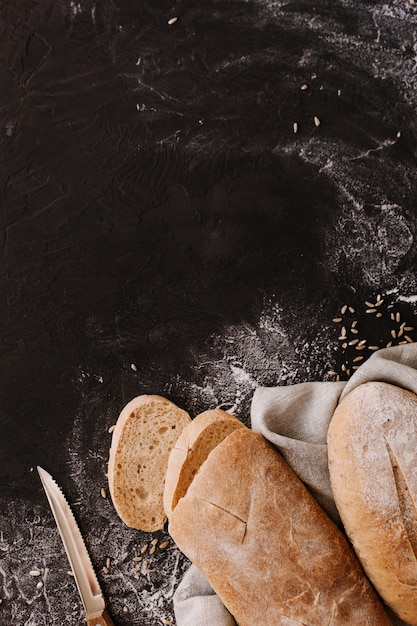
158 209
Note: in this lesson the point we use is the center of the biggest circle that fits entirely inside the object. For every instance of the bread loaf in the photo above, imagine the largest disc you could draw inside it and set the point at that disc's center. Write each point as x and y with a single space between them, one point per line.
192 448
372 446
145 433
265 545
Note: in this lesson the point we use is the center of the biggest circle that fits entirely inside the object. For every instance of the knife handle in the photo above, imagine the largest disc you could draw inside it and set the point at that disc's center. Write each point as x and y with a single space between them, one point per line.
101 618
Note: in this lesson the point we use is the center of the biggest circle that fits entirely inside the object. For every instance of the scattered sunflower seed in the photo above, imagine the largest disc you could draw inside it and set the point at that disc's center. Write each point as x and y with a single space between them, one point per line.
172 20
34 572
134 367
103 492
316 121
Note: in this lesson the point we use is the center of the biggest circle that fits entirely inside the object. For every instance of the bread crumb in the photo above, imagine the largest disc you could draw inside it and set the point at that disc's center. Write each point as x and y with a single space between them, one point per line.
111 429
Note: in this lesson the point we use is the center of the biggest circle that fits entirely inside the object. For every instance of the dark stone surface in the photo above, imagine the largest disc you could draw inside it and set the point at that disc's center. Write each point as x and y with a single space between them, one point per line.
158 209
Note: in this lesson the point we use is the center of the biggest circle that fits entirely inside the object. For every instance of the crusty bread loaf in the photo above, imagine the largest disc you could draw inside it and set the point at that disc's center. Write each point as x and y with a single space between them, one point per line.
192 448
145 433
265 545
372 445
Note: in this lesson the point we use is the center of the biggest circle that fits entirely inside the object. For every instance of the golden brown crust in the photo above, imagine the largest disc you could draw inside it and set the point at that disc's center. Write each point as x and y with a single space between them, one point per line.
265 545
372 444
193 446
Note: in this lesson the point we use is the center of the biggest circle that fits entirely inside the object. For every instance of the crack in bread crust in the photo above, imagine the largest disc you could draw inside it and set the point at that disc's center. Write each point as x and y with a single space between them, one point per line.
406 502
217 506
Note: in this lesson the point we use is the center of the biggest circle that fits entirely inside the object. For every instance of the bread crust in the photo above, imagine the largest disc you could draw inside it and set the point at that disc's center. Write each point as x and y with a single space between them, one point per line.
265 545
194 444
145 432
372 446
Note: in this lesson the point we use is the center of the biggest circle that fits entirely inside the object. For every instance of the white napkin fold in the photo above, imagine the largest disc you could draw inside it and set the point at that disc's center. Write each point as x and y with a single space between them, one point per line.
295 419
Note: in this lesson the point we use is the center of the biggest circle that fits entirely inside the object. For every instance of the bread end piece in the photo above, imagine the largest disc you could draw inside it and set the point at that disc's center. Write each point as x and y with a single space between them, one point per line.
144 435
372 443
192 448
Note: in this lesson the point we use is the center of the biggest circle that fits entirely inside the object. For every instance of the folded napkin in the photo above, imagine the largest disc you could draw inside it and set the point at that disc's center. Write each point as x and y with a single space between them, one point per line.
295 419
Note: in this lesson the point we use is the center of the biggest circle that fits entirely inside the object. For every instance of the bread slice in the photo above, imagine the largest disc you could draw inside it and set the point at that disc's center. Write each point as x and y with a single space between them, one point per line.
145 433
192 448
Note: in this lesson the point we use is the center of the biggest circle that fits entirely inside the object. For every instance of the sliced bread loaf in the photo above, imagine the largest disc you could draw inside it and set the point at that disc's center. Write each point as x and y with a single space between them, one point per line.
192 448
145 433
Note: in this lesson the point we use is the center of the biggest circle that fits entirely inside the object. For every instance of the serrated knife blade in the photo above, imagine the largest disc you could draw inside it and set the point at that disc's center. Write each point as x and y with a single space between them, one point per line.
80 562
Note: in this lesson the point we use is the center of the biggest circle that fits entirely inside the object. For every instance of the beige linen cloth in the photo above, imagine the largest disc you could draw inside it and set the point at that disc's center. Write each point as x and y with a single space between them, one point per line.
295 419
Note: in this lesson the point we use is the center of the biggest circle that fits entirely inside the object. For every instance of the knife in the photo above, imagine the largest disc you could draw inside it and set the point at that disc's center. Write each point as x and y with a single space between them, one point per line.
85 577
